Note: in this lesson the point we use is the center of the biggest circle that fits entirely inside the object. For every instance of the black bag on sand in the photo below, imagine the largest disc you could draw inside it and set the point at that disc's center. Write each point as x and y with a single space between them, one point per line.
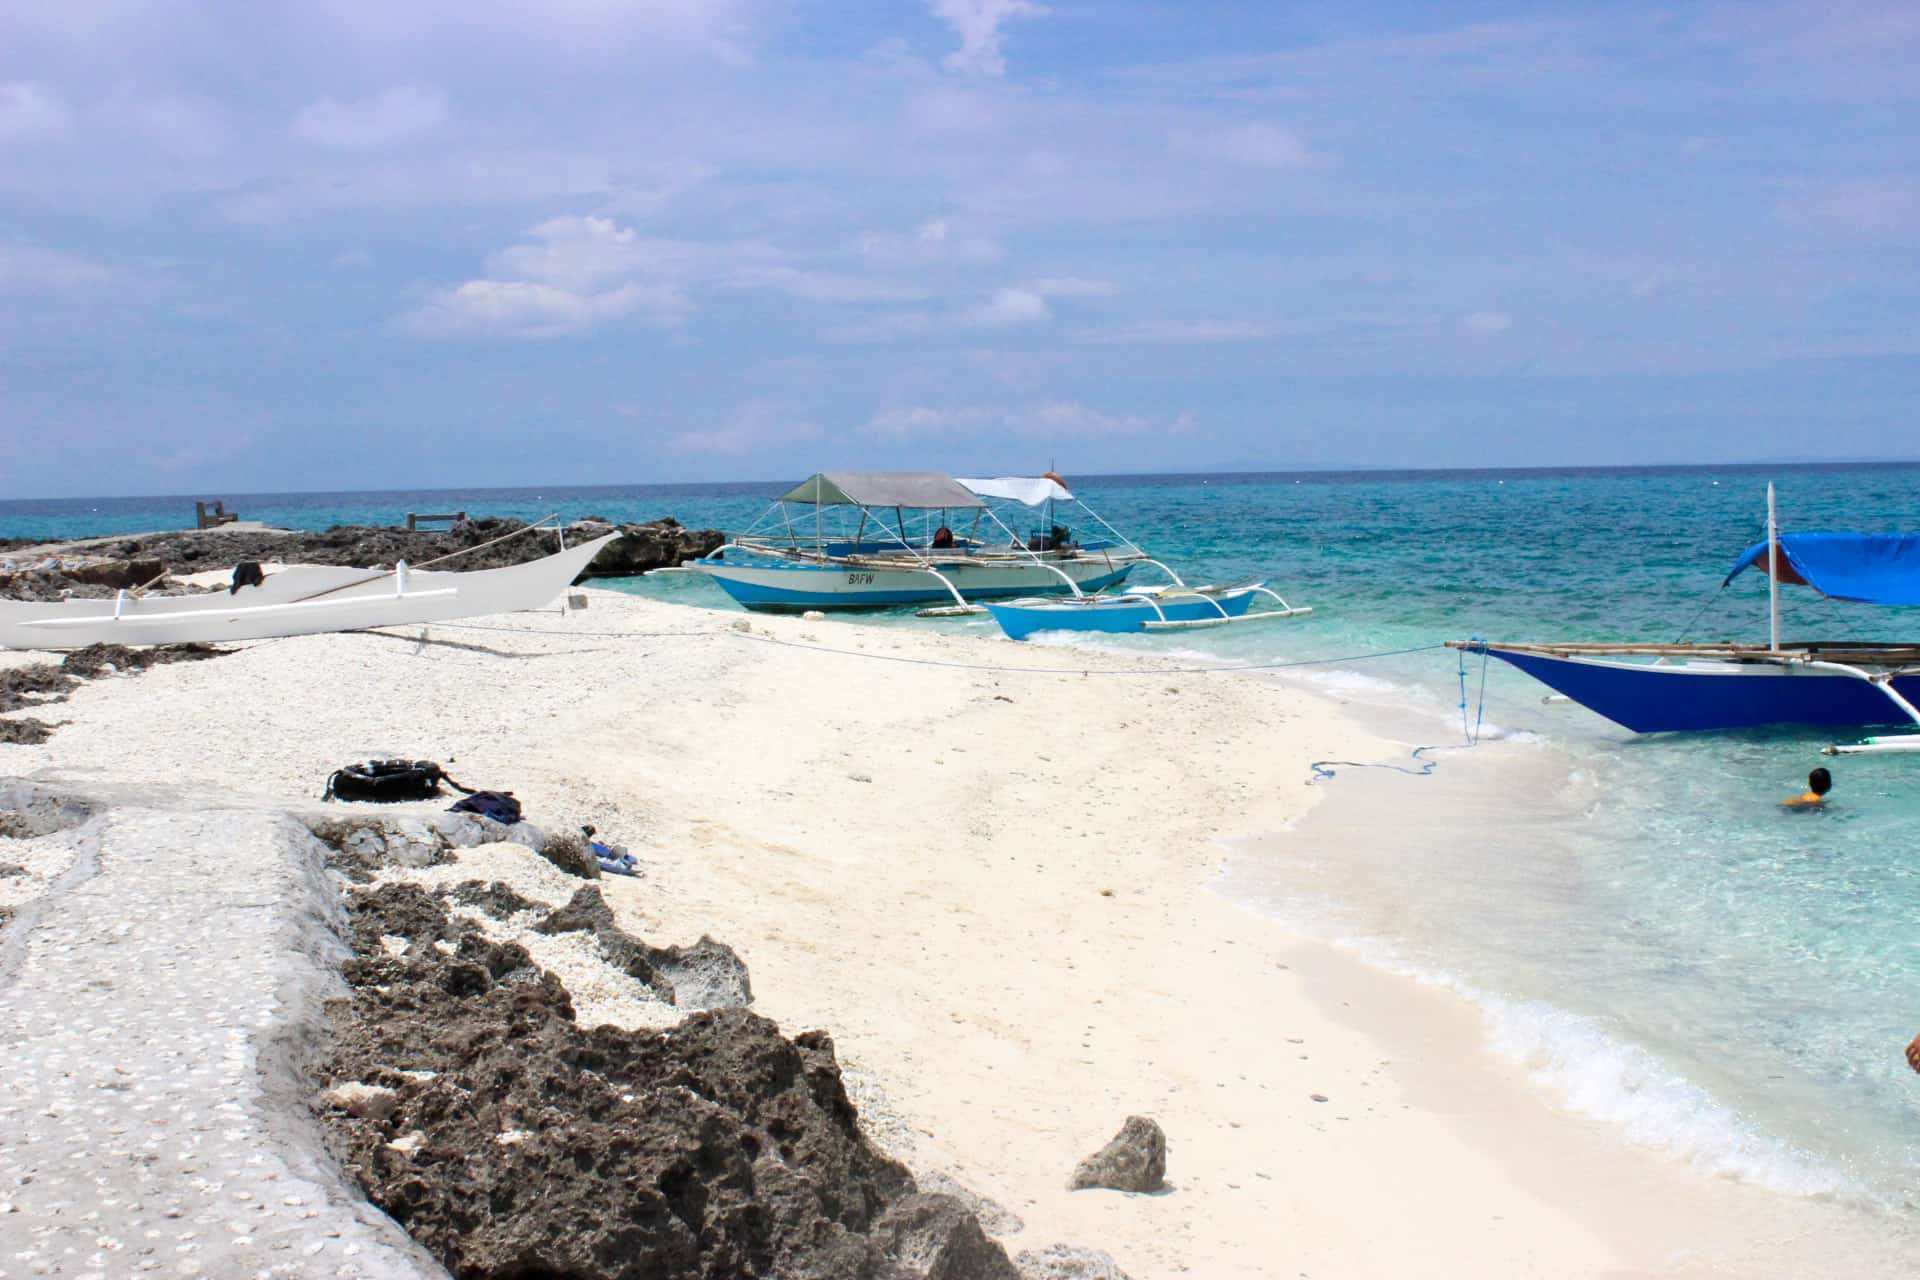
388 781
498 805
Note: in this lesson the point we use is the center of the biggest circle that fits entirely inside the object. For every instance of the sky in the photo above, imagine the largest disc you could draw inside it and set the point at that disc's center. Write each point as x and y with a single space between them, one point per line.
254 246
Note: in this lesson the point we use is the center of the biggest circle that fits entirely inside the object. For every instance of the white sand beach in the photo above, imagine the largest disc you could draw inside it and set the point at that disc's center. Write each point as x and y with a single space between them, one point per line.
994 889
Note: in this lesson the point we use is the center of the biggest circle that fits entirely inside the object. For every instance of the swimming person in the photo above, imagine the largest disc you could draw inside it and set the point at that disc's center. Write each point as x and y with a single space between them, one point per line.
1913 1053
1819 782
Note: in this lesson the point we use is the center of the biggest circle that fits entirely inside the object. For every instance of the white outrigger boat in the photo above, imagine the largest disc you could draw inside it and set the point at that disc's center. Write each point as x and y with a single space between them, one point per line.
297 601
781 565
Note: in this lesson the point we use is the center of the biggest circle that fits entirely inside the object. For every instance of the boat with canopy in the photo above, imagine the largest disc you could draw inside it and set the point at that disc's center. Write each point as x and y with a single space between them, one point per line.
296 601
1663 688
878 539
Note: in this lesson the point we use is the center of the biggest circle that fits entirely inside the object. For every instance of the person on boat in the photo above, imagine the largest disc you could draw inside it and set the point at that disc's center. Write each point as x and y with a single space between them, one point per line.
1819 782
943 537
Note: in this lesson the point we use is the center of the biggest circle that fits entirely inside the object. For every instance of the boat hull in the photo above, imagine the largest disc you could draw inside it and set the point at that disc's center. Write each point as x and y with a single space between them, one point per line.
1115 614
1690 697
771 587
303 600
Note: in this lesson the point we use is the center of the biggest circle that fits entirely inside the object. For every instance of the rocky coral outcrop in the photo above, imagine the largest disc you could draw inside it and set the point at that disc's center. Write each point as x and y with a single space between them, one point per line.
364 842
521 1145
706 975
1136 1160
938 1237
108 565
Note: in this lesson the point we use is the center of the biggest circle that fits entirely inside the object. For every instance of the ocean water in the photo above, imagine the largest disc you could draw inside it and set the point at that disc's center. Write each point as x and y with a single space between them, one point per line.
1664 946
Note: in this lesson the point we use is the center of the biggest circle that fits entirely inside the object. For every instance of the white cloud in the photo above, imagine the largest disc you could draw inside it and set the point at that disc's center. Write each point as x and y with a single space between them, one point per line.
1067 419
756 426
1070 287
936 240
577 253
1188 331
1010 307
526 309
31 112
1053 419
39 270
1487 322
394 116
977 23
1260 145
911 423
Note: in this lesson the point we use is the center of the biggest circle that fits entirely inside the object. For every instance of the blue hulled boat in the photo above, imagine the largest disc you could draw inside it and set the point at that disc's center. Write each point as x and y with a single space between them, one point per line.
1140 609
1661 688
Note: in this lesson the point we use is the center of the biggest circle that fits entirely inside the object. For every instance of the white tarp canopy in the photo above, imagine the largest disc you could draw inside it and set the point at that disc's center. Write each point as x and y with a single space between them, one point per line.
921 490
1029 491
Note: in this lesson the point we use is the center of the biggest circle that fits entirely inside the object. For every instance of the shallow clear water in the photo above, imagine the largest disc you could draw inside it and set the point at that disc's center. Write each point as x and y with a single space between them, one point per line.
1644 923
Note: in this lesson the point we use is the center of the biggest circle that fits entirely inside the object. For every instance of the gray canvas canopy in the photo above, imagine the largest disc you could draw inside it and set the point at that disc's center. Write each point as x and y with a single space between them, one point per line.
921 490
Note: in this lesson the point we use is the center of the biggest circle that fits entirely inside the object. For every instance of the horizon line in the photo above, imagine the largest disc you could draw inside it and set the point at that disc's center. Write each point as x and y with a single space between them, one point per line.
1312 468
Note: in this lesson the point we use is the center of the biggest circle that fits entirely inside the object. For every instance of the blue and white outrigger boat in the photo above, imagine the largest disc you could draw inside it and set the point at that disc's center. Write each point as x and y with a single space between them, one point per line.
1661 688
903 548
1175 607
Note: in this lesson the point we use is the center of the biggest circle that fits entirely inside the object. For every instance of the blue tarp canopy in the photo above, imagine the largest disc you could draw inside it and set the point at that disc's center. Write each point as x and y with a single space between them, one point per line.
1875 568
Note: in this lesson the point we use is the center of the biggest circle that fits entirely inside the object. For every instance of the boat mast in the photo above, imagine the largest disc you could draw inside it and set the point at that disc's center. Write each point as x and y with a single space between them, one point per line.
1773 574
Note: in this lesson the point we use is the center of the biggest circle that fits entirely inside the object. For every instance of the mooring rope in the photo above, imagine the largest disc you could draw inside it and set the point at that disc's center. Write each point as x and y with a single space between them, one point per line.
1324 769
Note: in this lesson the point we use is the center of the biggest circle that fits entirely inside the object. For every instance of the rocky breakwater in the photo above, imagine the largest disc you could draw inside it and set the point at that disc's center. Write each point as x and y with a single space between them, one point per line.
100 566
514 1135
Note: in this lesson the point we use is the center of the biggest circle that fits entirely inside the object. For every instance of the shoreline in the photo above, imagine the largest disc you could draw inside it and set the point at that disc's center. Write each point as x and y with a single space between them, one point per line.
926 884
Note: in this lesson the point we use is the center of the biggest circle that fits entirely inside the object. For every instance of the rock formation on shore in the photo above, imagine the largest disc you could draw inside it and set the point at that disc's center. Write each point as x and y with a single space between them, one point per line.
469 1103
104 566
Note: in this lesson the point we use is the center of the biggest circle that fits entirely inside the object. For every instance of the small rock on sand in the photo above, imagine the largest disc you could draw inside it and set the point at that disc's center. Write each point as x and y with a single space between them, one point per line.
1067 1262
1136 1160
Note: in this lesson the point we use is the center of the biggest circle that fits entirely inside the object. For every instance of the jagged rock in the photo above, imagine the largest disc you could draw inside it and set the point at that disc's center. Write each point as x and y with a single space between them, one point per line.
34 685
641 548
571 854
117 575
995 1218
1067 1262
707 975
523 1145
1136 1160
8 870
368 1101
936 1237
25 731
497 899
100 659
363 843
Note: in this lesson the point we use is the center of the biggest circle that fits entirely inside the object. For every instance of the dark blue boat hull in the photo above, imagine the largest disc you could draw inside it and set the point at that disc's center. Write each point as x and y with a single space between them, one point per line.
1669 699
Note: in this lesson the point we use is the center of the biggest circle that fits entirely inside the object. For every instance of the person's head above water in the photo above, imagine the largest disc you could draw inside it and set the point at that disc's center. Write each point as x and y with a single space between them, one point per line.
1819 782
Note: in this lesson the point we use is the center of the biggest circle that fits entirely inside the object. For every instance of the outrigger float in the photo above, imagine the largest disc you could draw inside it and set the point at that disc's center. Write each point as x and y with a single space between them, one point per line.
903 549
1693 687
1174 607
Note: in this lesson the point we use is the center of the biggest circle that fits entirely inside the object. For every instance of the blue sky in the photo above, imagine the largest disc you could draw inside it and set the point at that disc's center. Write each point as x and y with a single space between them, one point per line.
357 243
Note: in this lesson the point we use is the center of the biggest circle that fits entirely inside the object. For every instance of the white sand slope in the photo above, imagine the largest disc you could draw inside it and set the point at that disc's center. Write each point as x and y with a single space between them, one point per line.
992 888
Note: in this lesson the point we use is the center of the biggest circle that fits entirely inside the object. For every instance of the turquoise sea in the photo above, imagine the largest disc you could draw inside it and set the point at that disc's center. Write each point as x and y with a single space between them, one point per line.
1647 929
